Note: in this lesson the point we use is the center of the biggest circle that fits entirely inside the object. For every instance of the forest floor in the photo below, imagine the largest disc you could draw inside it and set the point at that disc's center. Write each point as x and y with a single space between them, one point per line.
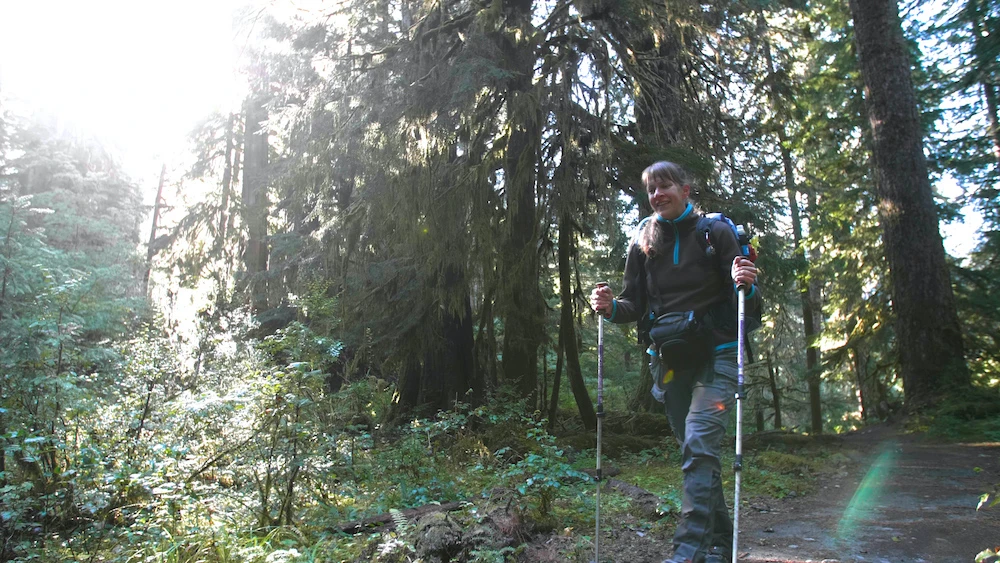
892 497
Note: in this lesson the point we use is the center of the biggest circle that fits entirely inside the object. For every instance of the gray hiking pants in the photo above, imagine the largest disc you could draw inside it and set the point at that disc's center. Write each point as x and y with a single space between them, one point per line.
698 403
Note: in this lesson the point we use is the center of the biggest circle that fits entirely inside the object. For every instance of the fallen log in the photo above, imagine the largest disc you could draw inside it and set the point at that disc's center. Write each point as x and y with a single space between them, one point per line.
387 519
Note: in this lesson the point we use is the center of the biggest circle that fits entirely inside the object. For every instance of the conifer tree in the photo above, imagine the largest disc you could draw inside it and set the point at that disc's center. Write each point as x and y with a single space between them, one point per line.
928 334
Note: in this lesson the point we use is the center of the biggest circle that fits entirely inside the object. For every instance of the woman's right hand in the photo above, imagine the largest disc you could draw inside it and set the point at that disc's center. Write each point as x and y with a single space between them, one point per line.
601 300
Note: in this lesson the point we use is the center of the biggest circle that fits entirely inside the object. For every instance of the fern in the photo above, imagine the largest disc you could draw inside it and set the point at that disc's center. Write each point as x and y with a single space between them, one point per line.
403 525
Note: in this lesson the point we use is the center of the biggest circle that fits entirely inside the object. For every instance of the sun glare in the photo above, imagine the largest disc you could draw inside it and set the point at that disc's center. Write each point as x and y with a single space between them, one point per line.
137 75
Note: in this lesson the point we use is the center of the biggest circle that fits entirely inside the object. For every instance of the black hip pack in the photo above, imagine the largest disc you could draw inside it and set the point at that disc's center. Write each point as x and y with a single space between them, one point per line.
680 340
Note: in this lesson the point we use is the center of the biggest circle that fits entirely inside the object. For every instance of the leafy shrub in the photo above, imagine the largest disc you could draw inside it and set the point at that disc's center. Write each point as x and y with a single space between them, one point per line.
539 476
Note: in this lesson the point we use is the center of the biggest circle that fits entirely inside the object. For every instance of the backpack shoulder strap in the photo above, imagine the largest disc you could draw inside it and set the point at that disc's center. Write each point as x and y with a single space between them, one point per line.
704 229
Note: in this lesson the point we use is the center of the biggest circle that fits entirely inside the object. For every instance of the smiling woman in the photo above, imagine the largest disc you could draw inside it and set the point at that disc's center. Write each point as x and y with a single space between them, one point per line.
137 75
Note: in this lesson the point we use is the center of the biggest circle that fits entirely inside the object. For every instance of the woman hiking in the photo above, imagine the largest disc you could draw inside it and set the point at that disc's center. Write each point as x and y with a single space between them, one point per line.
685 278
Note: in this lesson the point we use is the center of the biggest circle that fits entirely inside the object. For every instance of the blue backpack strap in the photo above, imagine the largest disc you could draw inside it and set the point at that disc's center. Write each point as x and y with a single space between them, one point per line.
704 226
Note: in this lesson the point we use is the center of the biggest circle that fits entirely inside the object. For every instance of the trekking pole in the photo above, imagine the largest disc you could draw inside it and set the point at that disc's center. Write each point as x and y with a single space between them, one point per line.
740 344
600 420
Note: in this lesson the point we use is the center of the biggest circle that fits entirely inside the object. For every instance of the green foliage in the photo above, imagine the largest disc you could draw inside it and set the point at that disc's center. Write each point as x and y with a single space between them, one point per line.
538 476
658 472
972 415
768 482
988 500
68 293
494 555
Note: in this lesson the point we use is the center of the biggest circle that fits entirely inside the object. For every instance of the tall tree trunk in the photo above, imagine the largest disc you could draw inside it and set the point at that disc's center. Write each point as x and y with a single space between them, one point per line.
255 200
237 168
929 338
227 183
448 371
866 394
990 94
556 379
407 389
486 345
807 297
567 325
772 379
524 307
814 288
465 341
150 248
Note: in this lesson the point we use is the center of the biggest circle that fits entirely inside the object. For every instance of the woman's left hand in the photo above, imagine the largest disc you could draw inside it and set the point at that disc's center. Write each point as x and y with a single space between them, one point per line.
744 272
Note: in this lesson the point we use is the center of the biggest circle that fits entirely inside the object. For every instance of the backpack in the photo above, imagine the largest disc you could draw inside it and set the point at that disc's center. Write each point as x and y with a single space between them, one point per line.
704 226
727 311
753 318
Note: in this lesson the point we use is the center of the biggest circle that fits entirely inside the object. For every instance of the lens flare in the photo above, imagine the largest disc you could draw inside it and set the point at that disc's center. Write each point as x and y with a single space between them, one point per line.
864 503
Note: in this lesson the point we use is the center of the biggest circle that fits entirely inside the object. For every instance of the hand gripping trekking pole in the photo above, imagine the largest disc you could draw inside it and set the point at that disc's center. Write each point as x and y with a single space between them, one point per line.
738 462
600 421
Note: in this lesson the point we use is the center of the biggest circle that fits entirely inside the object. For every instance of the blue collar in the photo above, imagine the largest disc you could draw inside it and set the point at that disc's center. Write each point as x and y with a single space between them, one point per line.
687 211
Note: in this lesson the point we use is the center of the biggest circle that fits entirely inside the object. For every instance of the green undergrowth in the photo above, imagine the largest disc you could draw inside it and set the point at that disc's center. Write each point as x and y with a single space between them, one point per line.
972 416
285 492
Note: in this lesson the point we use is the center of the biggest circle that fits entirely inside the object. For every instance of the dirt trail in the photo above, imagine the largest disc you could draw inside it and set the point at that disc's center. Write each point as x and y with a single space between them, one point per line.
905 500
892 498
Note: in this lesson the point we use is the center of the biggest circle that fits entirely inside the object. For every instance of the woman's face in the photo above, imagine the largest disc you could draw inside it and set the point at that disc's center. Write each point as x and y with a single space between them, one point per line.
668 199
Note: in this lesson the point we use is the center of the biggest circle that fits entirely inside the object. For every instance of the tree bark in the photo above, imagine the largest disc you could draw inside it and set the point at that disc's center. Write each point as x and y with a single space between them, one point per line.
255 201
408 388
485 345
227 183
865 396
448 370
556 379
807 299
809 295
929 338
772 379
567 325
150 248
871 391
523 313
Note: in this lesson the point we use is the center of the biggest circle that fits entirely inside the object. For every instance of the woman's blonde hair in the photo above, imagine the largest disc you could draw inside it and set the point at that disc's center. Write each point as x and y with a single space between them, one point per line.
650 238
